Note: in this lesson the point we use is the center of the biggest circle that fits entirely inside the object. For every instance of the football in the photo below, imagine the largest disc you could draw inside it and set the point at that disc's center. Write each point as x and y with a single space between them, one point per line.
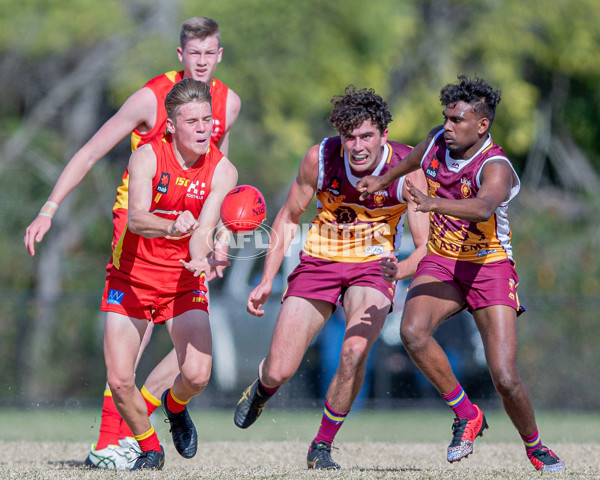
243 209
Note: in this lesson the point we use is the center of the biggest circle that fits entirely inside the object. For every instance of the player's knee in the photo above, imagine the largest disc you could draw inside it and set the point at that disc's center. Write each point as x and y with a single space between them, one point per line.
507 384
196 378
120 386
413 336
355 351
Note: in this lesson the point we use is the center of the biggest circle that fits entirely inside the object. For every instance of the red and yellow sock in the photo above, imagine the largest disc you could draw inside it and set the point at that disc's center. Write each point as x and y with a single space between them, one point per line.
110 422
148 441
174 404
152 403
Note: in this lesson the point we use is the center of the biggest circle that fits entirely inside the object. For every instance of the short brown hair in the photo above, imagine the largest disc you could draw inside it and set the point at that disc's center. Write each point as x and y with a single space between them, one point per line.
199 27
186 91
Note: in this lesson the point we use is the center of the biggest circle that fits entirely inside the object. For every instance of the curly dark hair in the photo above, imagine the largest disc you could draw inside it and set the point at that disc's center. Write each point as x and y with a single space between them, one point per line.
474 91
357 105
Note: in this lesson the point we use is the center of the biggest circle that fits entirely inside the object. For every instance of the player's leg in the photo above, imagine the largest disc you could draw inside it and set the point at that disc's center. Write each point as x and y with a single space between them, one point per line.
429 302
498 327
125 433
298 321
192 340
122 339
365 310
159 379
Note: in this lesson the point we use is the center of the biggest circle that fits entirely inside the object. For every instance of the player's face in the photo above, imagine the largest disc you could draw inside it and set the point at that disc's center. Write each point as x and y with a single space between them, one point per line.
191 129
200 58
464 130
363 147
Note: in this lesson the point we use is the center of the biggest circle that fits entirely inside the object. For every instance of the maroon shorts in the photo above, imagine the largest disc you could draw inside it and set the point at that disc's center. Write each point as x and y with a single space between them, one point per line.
320 279
482 285
150 303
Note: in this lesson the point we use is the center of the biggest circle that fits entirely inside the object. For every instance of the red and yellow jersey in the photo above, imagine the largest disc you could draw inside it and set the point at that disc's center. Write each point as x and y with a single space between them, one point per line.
451 237
161 86
155 261
346 228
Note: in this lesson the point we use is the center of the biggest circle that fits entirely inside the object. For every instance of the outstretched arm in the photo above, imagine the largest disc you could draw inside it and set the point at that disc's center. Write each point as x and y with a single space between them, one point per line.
301 193
138 111
371 184
497 180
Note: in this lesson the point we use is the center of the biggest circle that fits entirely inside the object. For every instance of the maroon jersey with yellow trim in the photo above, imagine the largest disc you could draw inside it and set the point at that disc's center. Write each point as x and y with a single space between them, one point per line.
455 238
155 261
346 228
161 86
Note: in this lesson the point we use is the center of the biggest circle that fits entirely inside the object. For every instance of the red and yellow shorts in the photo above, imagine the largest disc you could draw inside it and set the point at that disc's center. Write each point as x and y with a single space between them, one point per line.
150 302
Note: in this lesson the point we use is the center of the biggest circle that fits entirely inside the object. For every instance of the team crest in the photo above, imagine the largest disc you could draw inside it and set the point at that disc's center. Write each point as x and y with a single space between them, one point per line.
465 188
163 184
379 198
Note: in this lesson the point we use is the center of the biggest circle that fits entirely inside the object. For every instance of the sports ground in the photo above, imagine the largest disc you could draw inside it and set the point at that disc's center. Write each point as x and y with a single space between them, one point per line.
404 443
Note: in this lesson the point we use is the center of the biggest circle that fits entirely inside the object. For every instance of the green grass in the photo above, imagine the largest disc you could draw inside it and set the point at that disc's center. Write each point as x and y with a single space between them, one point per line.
398 426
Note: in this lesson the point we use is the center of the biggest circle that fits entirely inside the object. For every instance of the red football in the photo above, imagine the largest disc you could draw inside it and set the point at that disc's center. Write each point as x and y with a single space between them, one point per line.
243 209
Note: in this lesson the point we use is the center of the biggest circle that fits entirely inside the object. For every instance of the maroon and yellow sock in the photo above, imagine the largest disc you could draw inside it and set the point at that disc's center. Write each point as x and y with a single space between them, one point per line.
331 422
265 391
174 404
152 403
532 442
459 402
110 422
148 441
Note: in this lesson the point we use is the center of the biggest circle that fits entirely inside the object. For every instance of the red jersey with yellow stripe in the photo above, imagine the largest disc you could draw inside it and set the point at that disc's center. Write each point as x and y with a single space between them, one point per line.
161 86
455 238
346 228
155 261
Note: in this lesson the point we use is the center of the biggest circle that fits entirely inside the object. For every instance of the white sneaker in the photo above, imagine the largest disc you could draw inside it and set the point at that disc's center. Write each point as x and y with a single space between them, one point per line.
130 443
112 457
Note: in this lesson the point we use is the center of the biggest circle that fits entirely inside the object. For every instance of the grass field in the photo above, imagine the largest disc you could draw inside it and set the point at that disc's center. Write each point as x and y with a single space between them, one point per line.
403 444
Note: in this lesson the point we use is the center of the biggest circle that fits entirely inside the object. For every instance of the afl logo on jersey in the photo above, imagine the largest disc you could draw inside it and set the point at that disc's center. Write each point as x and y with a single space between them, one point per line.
163 184
432 169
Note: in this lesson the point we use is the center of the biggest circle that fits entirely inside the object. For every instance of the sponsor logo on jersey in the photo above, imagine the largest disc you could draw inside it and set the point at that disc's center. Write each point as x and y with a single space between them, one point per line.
115 297
334 186
196 190
432 169
163 184
483 253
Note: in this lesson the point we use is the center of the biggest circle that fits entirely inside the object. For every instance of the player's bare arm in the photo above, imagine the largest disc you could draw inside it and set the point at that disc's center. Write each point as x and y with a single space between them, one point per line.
285 225
138 111
234 104
371 184
201 243
418 224
496 182
142 167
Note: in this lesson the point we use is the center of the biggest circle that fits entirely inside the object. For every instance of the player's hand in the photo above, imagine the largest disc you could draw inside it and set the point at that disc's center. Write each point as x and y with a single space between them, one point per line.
369 185
186 222
389 267
35 232
219 253
423 202
204 266
257 299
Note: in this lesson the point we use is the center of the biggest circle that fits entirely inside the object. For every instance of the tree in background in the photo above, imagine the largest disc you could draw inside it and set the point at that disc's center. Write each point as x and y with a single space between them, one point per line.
65 66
